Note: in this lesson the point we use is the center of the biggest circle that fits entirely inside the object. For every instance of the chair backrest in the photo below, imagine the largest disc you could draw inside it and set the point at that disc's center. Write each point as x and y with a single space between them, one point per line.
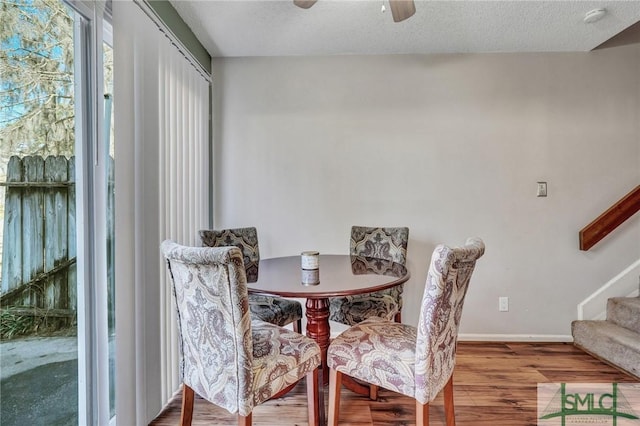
380 243
214 323
246 239
447 282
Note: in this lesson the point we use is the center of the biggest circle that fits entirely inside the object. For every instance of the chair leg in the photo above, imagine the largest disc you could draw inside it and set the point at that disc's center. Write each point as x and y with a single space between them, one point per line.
297 326
312 398
422 414
449 410
373 392
187 406
244 420
335 383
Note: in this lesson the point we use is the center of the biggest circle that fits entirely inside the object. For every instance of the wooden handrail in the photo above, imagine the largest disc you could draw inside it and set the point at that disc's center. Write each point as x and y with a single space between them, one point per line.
610 220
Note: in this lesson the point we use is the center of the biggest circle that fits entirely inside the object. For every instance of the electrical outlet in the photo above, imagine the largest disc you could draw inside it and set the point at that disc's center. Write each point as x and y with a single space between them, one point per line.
503 304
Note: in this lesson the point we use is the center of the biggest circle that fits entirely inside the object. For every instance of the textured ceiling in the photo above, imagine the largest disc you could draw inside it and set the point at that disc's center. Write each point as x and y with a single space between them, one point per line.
232 28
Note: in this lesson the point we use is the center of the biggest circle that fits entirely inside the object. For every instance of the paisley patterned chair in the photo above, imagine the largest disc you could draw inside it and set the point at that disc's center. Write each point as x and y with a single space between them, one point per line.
275 310
379 243
228 359
414 361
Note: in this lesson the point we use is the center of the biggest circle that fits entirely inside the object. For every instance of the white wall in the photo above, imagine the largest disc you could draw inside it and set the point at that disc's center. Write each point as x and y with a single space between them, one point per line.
451 146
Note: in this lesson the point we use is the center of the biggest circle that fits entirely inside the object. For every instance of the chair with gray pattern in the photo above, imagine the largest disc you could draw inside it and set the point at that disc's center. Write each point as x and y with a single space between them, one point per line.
276 310
380 243
413 361
225 357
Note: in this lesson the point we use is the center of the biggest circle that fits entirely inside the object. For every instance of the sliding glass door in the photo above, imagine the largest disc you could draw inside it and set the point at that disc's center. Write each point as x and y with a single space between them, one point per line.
95 230
38 215
56 214
109 146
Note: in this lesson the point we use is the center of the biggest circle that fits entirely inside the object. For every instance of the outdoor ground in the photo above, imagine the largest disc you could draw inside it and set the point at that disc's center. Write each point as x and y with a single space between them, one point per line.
38 381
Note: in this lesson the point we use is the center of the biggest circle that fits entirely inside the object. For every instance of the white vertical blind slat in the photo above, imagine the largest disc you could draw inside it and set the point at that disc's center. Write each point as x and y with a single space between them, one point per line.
184 144
189 149
164 362
195 182
173 210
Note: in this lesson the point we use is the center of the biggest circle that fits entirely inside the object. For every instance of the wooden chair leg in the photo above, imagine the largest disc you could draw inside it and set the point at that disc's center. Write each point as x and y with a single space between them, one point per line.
244 420
449 410
373 392
422 414
313 398
297 326
335 383
187 406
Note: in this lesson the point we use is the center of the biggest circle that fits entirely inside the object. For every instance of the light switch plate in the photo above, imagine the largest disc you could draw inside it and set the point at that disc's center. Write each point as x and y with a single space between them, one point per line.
503 304
542 189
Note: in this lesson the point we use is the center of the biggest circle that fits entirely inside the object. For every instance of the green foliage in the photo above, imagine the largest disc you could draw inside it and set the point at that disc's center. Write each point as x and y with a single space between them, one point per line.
36 90
14 322
12 325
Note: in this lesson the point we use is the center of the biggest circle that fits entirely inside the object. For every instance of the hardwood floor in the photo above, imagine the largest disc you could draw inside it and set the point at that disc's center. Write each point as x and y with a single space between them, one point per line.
495 384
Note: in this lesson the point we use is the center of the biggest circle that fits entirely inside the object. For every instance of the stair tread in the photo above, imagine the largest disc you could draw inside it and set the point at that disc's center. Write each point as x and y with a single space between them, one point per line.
609 341
624 311
629 301
614 332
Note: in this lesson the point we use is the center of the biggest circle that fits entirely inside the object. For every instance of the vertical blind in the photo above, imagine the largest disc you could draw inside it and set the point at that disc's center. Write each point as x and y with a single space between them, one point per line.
161 104
184 172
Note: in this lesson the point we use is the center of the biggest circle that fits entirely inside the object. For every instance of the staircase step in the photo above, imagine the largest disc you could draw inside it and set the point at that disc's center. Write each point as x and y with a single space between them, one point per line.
624 311
610 342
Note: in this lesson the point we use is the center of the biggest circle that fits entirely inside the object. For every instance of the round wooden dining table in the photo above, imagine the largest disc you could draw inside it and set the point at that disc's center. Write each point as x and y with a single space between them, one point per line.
338 275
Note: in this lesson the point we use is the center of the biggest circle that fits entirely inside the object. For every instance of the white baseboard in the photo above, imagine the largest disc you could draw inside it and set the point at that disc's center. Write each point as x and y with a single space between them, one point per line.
470 337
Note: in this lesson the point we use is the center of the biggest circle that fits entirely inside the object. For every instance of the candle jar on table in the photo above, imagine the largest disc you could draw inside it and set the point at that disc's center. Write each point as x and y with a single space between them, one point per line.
309 263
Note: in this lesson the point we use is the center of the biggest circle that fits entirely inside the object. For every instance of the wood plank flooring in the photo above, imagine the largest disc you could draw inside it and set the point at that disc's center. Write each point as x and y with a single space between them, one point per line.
495 384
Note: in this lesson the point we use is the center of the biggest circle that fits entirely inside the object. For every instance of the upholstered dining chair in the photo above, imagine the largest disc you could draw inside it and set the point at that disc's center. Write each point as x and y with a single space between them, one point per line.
276 310
379 243
228 359
413 361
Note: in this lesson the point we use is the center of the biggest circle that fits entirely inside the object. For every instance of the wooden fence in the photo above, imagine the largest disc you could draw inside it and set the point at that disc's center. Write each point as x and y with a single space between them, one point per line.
39 244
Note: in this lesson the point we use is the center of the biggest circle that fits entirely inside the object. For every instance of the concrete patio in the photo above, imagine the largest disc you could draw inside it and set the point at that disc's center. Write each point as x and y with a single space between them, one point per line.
39 381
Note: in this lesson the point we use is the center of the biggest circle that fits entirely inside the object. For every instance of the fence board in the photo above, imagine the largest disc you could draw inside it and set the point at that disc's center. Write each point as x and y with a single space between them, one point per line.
55 231
45 313
32 227
72 287
12 253
111 277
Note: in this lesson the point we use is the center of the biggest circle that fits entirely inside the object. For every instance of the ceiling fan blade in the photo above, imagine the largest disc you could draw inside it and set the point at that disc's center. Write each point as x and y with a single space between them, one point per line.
402 9
305 4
